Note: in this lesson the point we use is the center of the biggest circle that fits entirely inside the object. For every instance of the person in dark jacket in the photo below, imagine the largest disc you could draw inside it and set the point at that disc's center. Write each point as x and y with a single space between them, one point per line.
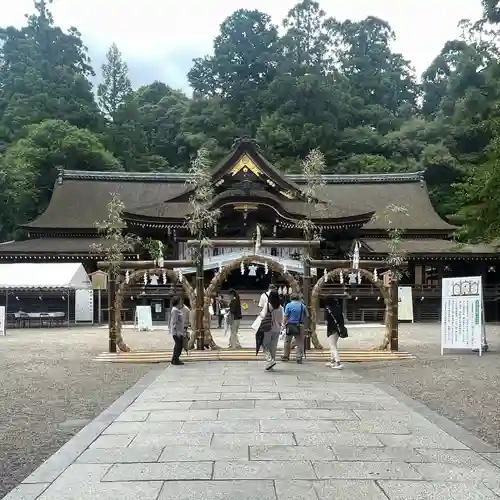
234 319
334 323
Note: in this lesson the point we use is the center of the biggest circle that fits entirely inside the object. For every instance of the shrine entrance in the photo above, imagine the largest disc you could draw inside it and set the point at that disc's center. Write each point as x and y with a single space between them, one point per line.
202 318
170 275
385 291
221 277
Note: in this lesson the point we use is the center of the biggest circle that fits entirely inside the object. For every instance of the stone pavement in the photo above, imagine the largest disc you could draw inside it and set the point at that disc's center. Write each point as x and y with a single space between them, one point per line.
230 431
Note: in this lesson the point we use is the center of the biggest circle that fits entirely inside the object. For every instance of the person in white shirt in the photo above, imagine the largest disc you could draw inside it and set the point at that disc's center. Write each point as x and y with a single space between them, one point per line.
264 299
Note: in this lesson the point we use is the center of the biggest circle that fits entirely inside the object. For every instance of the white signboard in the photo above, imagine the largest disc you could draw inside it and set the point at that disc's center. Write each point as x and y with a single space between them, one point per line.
462 313
84 306
3 326
405 303
143 319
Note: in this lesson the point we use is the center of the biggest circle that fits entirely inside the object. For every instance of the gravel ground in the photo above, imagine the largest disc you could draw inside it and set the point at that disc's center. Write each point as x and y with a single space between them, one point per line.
51 387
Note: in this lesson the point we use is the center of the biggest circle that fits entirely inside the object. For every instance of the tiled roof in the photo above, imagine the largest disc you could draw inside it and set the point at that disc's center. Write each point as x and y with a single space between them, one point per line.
428 246
61 246
80 198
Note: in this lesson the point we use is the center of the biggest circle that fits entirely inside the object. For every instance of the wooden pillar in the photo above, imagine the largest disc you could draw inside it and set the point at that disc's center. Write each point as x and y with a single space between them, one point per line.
306 292
394 317
112 310
200 300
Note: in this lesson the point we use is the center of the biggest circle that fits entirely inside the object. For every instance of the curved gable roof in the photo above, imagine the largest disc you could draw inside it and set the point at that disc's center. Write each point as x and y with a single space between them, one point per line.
80 198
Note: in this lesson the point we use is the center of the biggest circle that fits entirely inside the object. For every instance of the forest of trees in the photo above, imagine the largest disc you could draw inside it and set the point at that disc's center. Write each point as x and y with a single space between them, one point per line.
317 83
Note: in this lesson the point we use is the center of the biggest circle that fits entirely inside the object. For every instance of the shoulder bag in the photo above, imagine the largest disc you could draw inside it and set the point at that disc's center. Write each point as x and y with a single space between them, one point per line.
296 329
267 321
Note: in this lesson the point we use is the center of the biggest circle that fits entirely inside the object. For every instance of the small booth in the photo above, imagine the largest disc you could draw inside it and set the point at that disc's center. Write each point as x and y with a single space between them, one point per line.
45 294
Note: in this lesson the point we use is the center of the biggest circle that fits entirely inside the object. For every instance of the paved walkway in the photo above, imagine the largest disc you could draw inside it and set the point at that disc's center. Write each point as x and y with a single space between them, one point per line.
230 431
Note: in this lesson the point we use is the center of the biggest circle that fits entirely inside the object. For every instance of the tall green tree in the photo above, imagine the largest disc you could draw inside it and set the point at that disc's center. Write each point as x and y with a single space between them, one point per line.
146 129
491 10
481 204
380 77
306 112
44 74
307 42
245 60
115 85
29 166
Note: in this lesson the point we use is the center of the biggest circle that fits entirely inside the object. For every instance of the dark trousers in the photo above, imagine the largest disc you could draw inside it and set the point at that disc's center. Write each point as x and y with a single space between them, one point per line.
177 349
220 317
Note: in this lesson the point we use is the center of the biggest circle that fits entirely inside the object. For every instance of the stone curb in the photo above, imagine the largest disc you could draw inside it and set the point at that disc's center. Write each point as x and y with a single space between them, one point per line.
38 481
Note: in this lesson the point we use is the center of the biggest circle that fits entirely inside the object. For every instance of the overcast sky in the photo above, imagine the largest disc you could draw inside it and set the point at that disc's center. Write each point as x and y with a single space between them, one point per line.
159 38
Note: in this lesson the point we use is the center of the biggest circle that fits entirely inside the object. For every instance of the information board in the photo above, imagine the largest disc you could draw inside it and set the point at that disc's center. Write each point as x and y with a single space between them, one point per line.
143 320
462 313
3 322
405 303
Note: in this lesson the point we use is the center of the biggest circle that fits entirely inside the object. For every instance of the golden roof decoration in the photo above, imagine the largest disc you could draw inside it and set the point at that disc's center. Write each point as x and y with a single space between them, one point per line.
245 164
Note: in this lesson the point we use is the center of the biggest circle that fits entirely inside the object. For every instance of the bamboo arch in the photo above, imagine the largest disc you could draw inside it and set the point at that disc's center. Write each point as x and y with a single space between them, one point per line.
220 277
133 278
384 290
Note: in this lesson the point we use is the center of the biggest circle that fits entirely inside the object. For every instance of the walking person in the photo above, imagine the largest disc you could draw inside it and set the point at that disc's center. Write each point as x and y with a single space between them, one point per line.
265 297
271 336
234 319
176 327
294 317
335 329
220 306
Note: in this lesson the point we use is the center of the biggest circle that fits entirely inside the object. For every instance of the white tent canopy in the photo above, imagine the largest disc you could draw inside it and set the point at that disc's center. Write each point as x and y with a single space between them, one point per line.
64 275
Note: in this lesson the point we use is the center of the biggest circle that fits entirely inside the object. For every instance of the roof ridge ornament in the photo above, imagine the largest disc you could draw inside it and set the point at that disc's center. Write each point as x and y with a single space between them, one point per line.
245 139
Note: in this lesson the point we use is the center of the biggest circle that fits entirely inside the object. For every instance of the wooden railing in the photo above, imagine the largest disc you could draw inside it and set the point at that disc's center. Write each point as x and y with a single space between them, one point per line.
370 290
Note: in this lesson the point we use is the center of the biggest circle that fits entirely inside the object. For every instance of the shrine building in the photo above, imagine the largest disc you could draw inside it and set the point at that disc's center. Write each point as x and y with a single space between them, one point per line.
250 191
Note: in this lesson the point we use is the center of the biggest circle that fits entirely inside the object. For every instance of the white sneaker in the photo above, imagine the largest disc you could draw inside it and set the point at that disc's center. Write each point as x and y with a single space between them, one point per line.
337 366
270 365
330 364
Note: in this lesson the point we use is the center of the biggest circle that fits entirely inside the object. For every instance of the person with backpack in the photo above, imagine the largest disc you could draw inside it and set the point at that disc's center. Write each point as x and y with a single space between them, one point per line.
271 323
335 329
294 317
265 297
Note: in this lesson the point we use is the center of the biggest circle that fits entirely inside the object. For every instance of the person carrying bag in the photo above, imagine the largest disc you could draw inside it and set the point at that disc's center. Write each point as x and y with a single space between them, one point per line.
335 329
294 316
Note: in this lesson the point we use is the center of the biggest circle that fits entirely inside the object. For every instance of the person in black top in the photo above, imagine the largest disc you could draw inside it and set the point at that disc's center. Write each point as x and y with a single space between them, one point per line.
234 319
334 320
220 305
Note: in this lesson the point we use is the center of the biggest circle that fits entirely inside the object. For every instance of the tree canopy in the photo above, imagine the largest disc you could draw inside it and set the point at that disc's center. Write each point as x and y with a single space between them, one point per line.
319 83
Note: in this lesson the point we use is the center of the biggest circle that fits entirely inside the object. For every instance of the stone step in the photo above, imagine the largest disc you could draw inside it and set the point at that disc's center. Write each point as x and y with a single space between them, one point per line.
346 355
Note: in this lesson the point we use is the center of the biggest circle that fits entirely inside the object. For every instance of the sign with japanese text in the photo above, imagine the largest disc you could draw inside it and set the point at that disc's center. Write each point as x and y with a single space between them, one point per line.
462 313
